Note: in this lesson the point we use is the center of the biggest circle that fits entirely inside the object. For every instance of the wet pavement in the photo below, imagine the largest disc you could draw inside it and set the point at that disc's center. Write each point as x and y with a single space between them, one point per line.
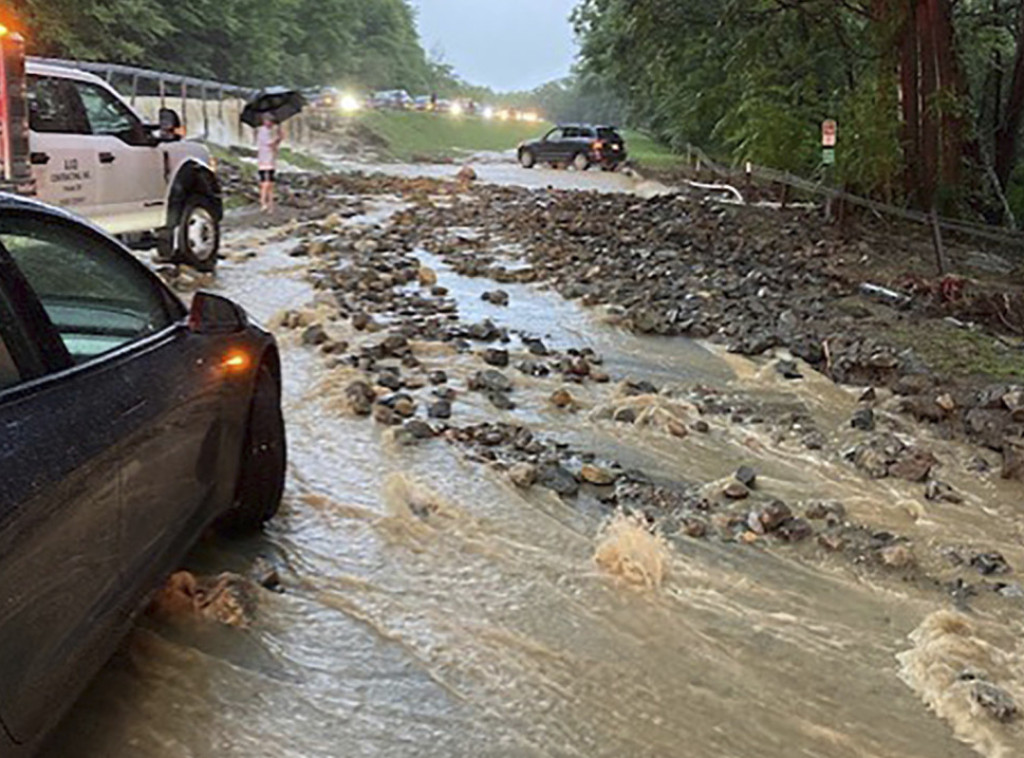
433 608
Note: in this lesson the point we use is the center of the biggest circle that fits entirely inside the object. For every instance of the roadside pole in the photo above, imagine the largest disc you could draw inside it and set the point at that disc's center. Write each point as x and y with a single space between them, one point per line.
828 159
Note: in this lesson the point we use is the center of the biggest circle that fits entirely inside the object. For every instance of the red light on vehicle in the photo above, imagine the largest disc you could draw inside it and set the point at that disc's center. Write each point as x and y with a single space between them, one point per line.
598 145
237 361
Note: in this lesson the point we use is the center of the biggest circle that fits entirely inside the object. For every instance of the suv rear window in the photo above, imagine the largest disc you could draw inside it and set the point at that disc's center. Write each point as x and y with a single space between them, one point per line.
608 134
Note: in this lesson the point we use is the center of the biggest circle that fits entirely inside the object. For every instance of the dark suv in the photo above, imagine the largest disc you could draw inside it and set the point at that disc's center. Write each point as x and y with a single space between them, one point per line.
580 145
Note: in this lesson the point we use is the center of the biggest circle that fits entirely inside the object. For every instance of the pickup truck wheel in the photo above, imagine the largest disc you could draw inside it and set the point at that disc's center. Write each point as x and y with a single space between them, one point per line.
527 159
199 234
581 162
264 460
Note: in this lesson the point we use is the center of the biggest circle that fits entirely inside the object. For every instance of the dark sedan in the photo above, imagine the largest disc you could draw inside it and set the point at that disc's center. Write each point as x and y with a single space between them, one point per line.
128 425
578 145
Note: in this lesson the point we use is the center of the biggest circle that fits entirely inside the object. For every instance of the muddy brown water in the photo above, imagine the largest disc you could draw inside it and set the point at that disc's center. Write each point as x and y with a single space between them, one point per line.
488 628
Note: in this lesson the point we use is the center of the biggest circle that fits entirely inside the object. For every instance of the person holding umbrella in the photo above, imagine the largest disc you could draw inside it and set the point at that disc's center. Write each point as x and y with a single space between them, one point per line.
268 142
265 113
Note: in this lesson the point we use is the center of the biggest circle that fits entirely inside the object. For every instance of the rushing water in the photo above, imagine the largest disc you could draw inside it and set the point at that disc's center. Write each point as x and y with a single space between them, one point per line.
433 609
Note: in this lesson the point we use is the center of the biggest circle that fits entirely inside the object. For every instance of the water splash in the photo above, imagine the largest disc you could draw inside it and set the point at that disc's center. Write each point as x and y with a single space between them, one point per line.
627 548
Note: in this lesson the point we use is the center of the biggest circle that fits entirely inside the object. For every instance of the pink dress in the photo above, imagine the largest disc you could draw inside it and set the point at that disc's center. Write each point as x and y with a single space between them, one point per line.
266 148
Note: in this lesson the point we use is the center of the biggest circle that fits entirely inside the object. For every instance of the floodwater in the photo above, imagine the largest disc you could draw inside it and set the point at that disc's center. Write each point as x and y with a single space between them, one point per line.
433 609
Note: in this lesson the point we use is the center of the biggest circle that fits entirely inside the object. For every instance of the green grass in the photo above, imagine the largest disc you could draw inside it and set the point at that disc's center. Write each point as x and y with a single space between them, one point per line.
958 352
301 160
648 153
429 135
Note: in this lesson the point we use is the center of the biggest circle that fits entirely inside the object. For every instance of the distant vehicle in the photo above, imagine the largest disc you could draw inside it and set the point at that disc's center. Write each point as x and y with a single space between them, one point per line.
578 145
130 424
423 103
323 98
395 98
87 150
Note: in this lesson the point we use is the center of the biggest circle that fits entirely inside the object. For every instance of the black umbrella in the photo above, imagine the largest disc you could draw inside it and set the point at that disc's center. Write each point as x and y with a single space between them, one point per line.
280 102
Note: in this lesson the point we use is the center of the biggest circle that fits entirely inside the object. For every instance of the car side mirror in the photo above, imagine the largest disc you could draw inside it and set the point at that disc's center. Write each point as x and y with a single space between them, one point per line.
170 124
213 314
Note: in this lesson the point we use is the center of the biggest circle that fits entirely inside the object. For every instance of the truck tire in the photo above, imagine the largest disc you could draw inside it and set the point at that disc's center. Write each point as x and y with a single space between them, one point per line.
527 159
261 475
581 162
198 234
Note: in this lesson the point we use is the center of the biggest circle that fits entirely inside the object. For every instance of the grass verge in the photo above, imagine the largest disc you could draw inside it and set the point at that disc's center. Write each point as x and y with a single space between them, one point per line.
424 136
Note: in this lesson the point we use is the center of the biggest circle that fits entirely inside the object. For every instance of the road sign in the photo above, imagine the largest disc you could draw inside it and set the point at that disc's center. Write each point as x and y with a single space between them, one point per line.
828 133
828 156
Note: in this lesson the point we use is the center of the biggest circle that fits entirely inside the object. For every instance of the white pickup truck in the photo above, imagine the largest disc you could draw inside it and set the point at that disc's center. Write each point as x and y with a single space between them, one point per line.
88 151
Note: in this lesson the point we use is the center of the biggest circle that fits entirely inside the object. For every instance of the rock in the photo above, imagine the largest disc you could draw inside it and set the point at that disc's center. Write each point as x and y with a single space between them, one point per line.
395 345
466 175
1013 460
819 511
832 541
922 408
490 381
361 321
914 465
625 416
736 491
868 396
601 377
556 478
596 475
913 384
676 428
266 575
863 419
997 702
769 518
562 398
498 297
421 430
495 357
872 462
991 563
314 335
360 397
746 476
485 331
501 401
897 556
405 407
523 475
946 402
389 380
788 370
988 425
814 440
694 527
384 414
535 346
794 529
427 277
701 427
437 377
441 409
941 492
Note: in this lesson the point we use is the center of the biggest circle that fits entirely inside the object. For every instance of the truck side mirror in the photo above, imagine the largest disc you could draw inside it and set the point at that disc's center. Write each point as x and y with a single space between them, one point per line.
170 124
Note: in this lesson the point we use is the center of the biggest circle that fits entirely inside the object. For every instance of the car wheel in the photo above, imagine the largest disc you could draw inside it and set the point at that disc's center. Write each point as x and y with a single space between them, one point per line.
199 234
581 162
264 459
527 159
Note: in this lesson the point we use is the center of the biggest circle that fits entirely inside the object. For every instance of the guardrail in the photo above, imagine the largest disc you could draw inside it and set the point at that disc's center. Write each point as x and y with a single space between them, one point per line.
819 189
142 84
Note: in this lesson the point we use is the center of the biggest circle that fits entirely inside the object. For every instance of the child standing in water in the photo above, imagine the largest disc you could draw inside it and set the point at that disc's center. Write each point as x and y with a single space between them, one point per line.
268 142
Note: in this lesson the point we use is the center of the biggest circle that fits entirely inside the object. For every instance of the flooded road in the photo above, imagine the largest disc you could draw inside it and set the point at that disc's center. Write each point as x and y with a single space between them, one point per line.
433 608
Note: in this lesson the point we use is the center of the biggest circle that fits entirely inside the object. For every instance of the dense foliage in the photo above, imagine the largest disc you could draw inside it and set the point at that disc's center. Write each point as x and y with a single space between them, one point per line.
372 43
928 93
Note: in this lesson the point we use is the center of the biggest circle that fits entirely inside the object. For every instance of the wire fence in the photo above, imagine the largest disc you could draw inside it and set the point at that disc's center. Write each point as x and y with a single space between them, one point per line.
1001 235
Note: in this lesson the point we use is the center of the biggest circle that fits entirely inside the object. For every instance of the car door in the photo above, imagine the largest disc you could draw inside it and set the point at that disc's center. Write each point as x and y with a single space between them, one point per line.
567 146
132 177
63 168
62 434
171 452
548 146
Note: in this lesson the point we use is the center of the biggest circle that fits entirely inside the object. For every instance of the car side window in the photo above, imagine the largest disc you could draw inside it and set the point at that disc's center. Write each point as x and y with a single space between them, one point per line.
96 296
106 114
570 132
54 106
554 135
586 133
9 374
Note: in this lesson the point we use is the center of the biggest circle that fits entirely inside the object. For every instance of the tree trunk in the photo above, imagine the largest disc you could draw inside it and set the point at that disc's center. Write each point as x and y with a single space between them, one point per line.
927 89
910 100
1009 129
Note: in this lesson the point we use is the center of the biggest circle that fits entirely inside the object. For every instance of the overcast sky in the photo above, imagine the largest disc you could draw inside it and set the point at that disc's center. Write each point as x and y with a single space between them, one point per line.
504 44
